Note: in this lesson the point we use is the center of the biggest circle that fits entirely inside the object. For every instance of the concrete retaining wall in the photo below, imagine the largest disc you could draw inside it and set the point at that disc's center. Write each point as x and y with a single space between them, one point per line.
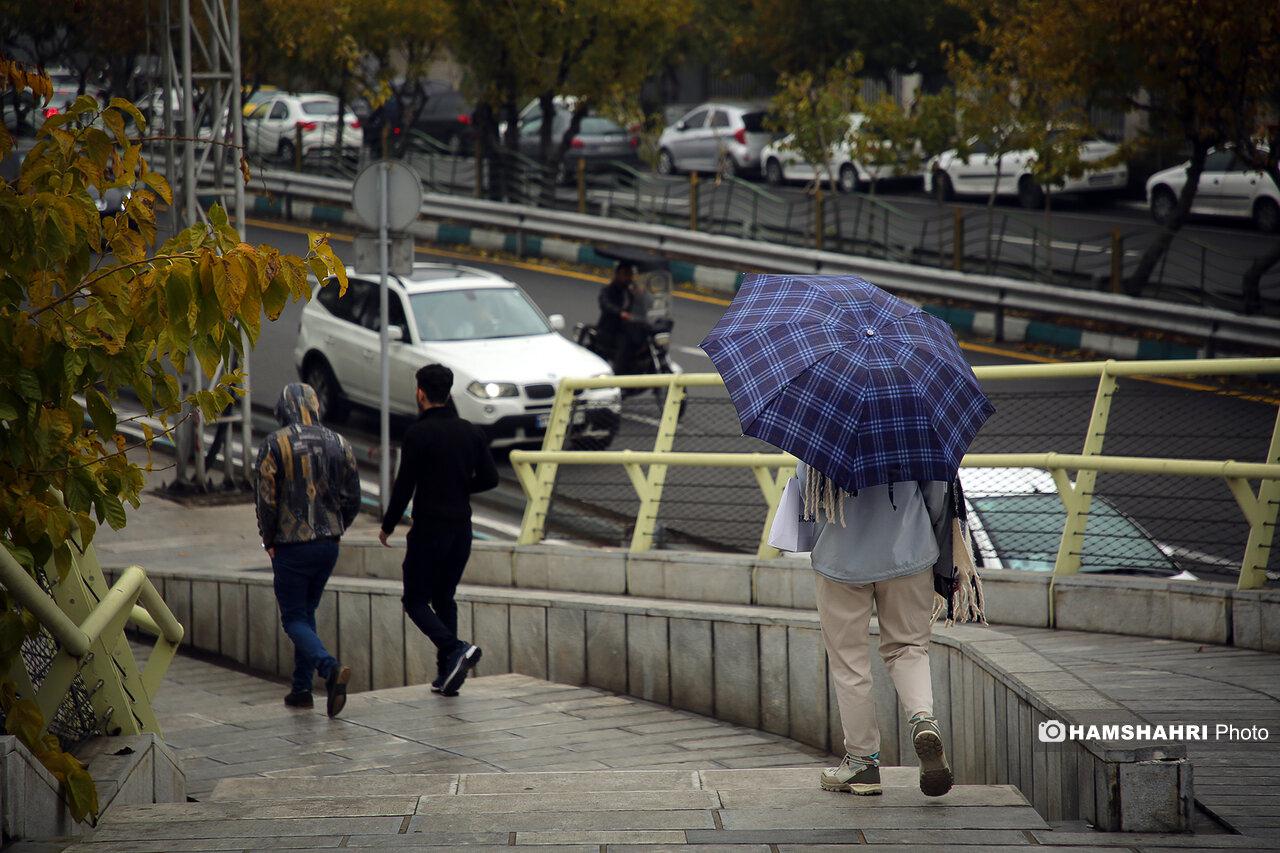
1180 610
756 666
128 770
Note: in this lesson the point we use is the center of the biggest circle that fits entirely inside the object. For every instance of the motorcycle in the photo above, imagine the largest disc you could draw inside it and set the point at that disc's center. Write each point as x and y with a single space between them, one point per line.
652 355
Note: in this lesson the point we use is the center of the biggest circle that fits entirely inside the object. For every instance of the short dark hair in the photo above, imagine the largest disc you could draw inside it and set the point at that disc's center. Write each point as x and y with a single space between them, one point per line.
436 381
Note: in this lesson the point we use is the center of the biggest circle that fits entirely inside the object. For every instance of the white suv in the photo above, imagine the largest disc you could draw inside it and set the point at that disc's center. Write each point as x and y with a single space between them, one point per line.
506 356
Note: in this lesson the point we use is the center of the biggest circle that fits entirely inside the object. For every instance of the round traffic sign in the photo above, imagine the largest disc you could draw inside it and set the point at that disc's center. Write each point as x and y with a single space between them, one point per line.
404 194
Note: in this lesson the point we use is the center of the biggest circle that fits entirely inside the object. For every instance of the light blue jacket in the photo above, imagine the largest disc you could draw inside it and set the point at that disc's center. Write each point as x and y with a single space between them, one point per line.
879 541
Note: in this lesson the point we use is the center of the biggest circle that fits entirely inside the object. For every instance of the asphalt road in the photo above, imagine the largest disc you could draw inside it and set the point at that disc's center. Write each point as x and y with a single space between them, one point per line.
1196 520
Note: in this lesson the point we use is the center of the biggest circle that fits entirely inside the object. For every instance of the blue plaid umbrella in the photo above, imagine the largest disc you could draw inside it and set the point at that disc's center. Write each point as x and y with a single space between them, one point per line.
859 384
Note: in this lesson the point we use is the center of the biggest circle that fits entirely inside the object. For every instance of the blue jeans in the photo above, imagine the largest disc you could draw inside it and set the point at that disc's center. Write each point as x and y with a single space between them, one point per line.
301 571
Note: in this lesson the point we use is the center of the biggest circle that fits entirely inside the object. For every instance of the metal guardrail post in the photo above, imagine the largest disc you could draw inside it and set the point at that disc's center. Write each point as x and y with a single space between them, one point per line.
771 485
1078 498
84 596
649 485
957 240
693 201
1261 511
1117 261
539 484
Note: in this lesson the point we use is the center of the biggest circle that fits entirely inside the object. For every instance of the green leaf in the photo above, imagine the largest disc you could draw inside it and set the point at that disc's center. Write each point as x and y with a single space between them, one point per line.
7 411
24 720
63 560
104 416
29 385
113 511
12 633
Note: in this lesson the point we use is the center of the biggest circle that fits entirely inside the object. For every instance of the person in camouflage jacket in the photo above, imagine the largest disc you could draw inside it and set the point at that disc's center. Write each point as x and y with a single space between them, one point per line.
308 494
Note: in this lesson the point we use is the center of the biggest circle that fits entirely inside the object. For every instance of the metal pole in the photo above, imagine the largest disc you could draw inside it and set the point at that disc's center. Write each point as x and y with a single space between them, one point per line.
384 458
237 137
188 120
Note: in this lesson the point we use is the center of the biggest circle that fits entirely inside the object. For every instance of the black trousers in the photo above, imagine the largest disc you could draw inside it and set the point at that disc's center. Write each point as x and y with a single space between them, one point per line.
436 556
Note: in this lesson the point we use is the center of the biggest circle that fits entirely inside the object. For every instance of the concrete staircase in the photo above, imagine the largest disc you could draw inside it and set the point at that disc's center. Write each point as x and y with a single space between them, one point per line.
574 810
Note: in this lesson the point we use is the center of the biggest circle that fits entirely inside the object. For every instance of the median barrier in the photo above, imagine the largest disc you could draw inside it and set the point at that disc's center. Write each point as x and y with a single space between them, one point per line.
762 667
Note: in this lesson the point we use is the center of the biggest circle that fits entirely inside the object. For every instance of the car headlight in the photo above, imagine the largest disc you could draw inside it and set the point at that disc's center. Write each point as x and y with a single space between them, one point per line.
493 390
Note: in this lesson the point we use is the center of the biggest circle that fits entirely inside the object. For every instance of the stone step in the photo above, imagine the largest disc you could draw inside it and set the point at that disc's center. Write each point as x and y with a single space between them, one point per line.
597 807
799 779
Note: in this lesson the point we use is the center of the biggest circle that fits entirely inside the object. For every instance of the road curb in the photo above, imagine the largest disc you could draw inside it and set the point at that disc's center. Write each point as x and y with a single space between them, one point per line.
724 281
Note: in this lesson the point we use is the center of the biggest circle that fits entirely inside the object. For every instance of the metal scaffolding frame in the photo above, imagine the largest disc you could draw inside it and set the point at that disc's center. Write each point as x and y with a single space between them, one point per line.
204 139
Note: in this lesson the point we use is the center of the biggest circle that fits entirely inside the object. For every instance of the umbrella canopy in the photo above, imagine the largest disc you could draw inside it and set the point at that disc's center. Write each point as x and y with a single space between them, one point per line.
859 384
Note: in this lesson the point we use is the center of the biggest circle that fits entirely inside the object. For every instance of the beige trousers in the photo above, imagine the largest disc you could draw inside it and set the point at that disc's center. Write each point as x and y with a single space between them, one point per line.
903 607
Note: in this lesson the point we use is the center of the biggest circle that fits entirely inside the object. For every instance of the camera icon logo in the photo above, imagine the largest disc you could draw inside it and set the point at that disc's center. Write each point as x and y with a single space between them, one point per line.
1052 731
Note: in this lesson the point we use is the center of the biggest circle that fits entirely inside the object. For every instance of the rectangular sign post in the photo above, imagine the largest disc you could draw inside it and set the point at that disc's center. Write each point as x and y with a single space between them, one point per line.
384 458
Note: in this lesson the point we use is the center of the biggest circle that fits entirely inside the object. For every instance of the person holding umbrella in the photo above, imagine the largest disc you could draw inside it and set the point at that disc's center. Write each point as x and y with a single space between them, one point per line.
878 403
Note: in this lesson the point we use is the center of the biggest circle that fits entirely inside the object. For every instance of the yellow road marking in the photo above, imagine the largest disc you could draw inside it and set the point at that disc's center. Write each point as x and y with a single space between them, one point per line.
971 346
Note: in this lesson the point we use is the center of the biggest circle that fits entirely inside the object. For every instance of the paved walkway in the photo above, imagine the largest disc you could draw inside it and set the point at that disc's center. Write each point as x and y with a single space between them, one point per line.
1169 681
405 770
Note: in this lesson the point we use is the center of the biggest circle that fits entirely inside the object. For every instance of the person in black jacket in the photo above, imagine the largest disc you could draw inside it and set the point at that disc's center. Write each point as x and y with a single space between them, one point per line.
444 460
615 335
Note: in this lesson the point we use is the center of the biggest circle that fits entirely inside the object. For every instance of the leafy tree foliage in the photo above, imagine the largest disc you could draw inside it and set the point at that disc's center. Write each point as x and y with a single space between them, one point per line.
89 306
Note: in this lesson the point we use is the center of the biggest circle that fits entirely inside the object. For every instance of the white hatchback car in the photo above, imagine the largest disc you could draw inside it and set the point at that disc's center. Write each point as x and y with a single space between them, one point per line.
274 127
506 356
1227 188
714 137
948 174
781 164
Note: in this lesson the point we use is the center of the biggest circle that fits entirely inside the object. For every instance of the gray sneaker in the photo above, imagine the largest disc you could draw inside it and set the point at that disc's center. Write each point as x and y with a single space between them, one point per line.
935 772
852 776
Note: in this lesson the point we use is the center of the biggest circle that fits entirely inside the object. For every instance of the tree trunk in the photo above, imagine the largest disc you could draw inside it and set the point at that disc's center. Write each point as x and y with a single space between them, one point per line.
1147 263
1251 284
991 211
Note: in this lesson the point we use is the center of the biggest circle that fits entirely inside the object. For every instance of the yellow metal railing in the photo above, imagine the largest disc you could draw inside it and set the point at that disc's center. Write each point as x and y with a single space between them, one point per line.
647 470
87 620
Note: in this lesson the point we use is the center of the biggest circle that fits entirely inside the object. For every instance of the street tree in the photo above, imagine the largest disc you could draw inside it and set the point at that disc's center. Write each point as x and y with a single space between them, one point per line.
884 139
571 57
787 37
89 306
1200 70
814 110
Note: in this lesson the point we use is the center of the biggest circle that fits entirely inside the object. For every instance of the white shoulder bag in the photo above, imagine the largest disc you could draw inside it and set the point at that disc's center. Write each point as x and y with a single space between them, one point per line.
790 532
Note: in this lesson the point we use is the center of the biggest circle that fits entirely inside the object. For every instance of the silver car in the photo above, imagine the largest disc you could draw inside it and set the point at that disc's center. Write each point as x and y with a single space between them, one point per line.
715 137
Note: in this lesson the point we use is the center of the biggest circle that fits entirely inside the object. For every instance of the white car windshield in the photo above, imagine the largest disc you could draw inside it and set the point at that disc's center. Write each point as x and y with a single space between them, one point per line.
490 312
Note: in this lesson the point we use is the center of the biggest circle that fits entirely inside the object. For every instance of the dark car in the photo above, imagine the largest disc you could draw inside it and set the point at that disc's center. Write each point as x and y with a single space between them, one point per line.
600 143
440 111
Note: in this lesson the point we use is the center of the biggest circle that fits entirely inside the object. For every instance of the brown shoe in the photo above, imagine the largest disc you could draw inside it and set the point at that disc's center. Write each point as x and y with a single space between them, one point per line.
336 686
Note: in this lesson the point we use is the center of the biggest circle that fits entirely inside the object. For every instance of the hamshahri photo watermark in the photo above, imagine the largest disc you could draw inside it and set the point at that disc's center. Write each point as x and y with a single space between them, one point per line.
1056 731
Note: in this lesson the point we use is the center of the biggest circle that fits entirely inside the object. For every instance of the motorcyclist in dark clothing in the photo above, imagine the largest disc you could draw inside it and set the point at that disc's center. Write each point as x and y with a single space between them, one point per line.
620 329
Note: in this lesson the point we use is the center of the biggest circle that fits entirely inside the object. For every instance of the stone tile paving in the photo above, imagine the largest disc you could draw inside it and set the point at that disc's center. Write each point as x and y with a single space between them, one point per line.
407 770
1170 681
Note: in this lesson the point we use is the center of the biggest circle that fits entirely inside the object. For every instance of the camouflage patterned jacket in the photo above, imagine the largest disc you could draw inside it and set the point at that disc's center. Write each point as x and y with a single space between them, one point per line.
308 484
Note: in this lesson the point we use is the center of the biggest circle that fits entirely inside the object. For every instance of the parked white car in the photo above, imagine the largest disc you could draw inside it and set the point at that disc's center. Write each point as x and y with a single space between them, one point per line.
715 136
782 164
506 356
1016 519
949 175
1227 188
272 128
